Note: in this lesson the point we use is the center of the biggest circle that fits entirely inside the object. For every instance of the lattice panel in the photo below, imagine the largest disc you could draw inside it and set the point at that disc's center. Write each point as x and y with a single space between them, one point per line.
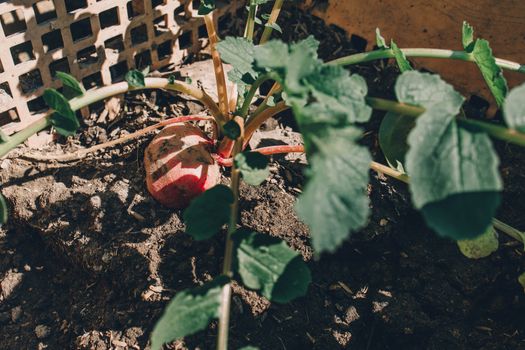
97 41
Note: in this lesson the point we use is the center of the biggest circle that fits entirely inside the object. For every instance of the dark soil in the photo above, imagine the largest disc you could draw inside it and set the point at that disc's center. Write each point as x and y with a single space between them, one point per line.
89 260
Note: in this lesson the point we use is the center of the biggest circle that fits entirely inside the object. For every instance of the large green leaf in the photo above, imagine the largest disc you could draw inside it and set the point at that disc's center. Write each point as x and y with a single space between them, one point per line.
64 119
267 264
454 178
480 247
208 213
253 166
189 312
514 109
334 202
72 87
326 102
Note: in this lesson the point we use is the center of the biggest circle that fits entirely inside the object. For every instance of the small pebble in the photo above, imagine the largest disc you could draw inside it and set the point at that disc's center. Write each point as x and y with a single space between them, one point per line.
42 331
16 312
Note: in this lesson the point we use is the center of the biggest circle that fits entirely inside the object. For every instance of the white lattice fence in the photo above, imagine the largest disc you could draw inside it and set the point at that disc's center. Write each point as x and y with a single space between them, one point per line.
97 41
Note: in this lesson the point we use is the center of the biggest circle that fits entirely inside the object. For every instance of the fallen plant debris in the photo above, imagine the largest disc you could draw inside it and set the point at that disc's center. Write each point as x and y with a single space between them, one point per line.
448 161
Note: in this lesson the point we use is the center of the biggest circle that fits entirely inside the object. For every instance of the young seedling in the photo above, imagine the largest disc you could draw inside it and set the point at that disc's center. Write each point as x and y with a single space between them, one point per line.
448 162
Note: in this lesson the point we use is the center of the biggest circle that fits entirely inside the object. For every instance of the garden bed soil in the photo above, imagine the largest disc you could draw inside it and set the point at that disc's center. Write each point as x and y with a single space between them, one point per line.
89 260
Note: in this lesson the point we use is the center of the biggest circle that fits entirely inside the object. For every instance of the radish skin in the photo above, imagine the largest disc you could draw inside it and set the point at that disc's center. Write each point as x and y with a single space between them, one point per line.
179 165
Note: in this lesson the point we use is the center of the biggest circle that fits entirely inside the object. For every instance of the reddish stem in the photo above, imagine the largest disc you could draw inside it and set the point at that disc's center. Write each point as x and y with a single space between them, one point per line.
228 162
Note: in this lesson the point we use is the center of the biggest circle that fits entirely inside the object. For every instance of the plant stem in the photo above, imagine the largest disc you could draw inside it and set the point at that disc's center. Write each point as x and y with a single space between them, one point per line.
424 53
509 230
224 316
276 10
267 151
18 138
109 91
250 24
496 131
222 90
254 123
275 89
69 157
380 168
251 93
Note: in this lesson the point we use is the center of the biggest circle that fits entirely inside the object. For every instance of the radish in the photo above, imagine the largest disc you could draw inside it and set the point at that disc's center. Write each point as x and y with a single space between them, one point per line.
179 165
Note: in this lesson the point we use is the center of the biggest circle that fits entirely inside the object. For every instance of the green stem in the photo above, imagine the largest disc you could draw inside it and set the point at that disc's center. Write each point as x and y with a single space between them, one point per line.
276 10
224 316
218 68
496 131
251 93
250 24
509 230
105 92
18 138
423 53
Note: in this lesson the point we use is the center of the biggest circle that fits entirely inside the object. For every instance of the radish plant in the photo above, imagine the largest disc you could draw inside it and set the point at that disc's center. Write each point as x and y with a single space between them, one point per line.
447 160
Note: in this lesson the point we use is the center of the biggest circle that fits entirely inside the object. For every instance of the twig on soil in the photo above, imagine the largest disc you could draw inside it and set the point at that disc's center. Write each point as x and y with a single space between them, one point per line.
80 154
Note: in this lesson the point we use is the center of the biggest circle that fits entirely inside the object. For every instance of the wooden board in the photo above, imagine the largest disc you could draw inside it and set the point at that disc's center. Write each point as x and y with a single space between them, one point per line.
437 24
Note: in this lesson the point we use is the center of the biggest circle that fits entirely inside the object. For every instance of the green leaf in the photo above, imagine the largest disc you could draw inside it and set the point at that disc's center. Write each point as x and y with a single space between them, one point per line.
480 247
64 119
491 72
454 178
380 41
238 52
208 213
514 109
427 90
4 214
232 130
189 312
482 53
400 57
393 135
249 347
468 37
267 264
334 202
338 92
253 167
274 26
326 102
72 87
135 78
206 6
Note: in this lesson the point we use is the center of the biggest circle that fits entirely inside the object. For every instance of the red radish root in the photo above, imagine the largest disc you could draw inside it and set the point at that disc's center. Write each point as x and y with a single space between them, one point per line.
179 165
